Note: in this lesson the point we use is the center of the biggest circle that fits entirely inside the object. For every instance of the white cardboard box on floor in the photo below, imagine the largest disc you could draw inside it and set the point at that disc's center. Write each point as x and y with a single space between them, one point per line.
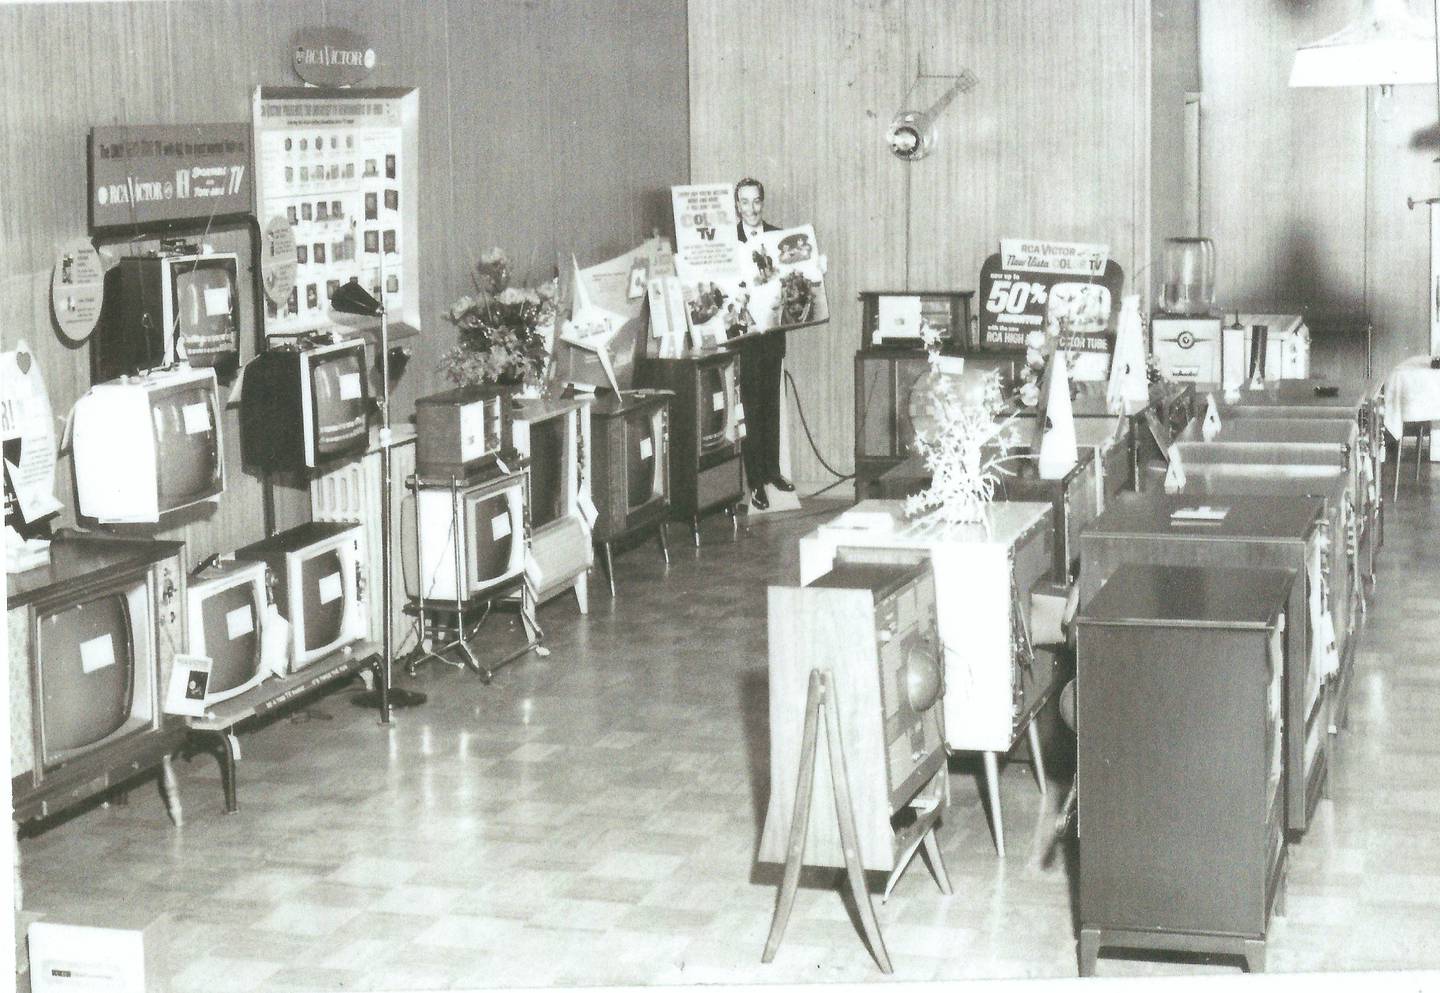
81 958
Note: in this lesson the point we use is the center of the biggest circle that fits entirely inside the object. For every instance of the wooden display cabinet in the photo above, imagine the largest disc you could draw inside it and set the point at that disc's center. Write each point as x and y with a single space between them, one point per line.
1074 498
948 311
91 637
1312 399
706 426
1256 531
631 468
1179 769
1341 569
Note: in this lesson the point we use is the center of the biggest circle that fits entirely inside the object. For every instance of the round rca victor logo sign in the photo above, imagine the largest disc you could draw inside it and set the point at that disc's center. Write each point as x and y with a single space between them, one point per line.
332 56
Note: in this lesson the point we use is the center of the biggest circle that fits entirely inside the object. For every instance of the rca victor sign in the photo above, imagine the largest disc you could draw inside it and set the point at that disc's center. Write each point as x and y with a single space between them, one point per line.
332 56
157 173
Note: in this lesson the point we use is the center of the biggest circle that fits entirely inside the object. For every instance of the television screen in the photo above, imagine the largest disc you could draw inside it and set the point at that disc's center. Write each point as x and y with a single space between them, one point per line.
492 526
341 405
642 459
714 406
322 598
206 309
87 673
548 456
231 622
187 447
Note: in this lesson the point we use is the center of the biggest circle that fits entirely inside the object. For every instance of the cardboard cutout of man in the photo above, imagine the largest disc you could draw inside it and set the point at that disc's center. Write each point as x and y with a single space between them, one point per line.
761 362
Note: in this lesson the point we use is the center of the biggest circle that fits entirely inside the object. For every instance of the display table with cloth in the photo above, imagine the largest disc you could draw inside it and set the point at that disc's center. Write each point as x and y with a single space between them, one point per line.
994 680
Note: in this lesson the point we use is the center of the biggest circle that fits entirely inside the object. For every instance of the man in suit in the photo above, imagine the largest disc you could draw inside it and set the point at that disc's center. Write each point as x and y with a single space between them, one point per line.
761 362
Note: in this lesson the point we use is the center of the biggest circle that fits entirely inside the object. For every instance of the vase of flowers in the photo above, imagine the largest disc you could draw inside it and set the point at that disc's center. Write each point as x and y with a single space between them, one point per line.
503 331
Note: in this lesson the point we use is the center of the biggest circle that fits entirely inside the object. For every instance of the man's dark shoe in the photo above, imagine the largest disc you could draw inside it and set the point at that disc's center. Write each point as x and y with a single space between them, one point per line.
782 484
758 499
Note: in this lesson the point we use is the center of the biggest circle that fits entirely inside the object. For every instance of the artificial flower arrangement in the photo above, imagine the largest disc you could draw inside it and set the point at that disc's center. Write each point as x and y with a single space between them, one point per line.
503 330
961 431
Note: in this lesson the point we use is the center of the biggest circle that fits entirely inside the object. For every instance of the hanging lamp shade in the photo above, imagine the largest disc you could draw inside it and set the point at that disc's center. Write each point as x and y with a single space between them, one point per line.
1386 46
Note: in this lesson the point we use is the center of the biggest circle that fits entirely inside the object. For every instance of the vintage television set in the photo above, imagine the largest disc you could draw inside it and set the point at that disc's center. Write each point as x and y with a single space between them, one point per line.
463 431
305 406
169 306
630 466
90 638
147 445
705 431
225 609
484 516
320 585
554 438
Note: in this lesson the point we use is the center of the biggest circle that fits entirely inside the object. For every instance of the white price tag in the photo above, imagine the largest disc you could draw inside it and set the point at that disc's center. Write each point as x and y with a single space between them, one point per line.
588 510
197 418
330 587
500 526
97 653
717 400
739 412
647 449
472 431
350 386
217 301
238 623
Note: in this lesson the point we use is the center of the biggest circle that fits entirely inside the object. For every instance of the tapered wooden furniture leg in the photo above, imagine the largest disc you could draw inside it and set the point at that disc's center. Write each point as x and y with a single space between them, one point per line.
665 540
992 786
1089 950
937 862
1037 760
1399 448
849 837
695 529
582 593
170 788
799 819
610 568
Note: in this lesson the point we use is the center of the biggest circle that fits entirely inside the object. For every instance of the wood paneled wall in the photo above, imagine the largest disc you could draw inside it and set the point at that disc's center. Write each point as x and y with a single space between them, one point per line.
1175 71
547 127
1052 143
1304 190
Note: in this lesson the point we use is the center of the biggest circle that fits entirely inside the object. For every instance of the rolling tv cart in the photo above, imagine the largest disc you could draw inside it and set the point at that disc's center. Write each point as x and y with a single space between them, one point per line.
217 727
452 618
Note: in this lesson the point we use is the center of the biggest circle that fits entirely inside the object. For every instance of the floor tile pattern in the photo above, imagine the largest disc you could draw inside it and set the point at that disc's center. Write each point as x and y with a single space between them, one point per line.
591 818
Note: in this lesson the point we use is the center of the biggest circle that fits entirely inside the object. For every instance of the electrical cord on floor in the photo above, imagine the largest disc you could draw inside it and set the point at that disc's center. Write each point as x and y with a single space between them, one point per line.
840 477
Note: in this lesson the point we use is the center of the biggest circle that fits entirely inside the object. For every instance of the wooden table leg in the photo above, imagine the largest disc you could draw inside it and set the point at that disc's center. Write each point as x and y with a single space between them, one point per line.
1037 760
170 790
665 540
849 838
1089 950
799 820
937 861
992 786
609 568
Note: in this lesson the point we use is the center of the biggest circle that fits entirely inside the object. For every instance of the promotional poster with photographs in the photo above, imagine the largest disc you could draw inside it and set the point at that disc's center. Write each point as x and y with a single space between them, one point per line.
734 288
335 177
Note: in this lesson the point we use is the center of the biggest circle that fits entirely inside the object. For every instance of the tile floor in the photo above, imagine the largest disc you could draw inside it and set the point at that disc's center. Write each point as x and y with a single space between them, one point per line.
591 819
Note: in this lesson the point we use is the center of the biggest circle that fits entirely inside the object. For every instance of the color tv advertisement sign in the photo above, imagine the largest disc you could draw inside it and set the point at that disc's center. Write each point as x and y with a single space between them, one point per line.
1068 290
155 173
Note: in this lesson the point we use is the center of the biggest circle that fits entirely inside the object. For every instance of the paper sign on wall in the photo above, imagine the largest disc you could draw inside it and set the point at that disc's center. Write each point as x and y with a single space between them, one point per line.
77 289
